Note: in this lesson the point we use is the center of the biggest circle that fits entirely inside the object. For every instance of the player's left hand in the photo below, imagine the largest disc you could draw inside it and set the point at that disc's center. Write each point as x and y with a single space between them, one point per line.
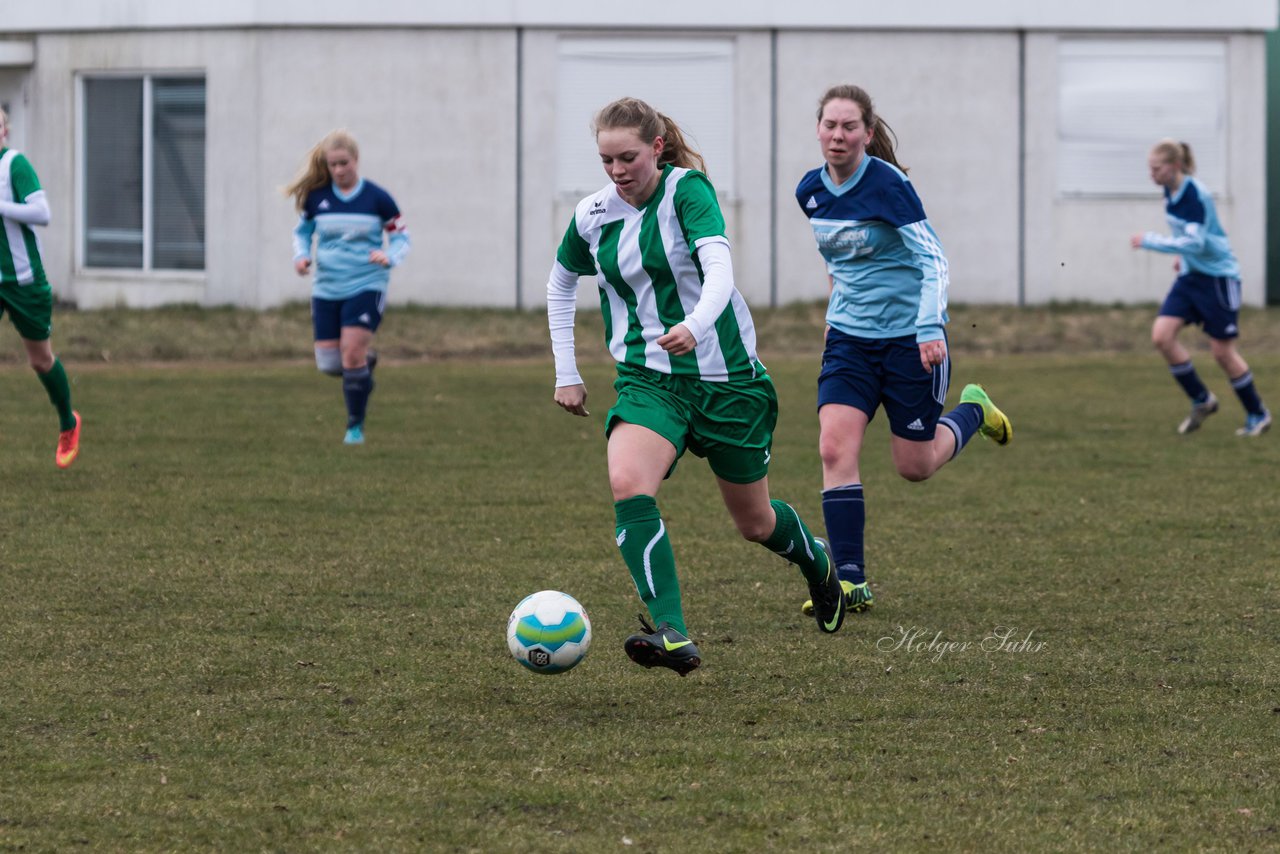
678 341
1136 241
932 353
377 256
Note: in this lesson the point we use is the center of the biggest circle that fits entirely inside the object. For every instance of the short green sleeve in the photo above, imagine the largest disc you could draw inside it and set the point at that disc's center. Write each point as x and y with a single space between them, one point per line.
697 208
574 254
22 177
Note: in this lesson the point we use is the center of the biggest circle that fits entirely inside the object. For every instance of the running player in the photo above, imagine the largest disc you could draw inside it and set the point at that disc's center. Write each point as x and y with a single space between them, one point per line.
1206 293
347 215
688 376
885 340
24 291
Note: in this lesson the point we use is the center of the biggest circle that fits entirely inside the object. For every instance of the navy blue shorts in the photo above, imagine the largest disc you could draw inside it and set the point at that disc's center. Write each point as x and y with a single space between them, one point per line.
867 372
328 316
1209 301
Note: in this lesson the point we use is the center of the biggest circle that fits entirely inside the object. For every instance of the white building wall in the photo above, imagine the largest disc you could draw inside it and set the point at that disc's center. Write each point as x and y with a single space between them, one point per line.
1078 248
746 209
456 116
441 142
53 127
433 112
952 101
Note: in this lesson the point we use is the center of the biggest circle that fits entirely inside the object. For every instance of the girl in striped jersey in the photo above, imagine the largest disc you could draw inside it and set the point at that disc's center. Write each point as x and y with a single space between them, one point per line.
1207 291
885 343
348 218
24 291
688 377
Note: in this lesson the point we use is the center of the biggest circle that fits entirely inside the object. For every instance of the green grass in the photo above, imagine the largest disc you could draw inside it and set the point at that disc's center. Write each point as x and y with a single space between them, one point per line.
224 630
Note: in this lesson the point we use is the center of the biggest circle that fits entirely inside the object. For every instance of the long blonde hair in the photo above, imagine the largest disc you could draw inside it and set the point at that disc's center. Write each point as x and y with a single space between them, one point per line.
1177 153
314 173
649 124
884 142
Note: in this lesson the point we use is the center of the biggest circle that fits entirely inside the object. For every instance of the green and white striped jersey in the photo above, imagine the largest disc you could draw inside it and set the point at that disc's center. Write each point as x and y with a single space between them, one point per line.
650 280
20 262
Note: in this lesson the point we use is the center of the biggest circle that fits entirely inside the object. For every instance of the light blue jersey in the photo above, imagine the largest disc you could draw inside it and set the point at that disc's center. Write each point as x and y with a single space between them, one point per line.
889 275
1197 235
346 228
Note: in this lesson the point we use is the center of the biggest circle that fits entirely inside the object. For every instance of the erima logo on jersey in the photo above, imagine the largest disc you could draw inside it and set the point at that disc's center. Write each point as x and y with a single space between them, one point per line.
767 456
811 204
915 425
597 207
622 538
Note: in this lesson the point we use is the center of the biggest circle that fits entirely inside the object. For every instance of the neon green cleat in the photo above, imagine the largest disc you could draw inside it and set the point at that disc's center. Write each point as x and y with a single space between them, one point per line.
995 424
857 599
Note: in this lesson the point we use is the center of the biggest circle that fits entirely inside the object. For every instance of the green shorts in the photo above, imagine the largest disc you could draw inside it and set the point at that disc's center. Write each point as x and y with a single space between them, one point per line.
30 309
729 423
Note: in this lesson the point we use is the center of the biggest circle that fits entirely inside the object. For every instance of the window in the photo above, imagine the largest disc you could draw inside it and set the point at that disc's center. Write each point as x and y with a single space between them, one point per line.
594 71
1117 98
143 178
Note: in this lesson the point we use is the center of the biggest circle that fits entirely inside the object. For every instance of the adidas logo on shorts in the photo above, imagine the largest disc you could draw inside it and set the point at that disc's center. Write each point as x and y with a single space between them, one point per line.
915 425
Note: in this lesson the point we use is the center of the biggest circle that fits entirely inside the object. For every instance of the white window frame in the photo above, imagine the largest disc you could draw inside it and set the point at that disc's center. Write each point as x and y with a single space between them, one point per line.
148 183
1118 96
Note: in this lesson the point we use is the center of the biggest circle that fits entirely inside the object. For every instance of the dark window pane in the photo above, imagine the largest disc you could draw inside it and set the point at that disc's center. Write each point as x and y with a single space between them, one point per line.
113 172
177 156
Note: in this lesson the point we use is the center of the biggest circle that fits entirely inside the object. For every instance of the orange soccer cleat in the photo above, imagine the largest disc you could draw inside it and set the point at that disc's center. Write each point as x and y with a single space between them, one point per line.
68 445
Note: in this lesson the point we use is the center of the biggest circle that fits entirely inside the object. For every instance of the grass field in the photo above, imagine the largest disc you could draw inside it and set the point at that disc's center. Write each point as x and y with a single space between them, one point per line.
224 630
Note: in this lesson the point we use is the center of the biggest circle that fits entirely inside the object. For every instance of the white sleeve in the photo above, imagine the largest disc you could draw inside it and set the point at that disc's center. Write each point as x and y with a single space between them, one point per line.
717 287
562 308
33 211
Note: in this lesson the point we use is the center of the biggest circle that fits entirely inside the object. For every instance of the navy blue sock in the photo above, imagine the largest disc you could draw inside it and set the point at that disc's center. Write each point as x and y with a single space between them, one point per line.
963 421
1187 377
845 515
357 383
1248 393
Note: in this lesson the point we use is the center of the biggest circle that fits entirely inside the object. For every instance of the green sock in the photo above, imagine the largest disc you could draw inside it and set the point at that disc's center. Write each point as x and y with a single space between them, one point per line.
55 383
642 539
792 541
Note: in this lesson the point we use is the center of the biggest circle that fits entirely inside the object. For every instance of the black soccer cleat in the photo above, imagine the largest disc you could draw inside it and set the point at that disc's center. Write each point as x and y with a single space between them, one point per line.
663 647
828 601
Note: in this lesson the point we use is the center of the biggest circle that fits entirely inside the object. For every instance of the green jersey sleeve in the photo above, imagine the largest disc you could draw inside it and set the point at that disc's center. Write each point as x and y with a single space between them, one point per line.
574 254
22 177
697 208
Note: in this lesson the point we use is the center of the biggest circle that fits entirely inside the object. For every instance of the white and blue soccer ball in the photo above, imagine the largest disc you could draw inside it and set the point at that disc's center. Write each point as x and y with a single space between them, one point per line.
548 632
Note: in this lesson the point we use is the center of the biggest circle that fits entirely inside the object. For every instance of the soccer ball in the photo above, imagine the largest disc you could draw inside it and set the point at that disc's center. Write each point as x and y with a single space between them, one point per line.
548 632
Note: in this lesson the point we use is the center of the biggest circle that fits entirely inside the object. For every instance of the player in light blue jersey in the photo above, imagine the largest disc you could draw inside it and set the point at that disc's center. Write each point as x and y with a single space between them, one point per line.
688 377
347 217
885 341
1206 291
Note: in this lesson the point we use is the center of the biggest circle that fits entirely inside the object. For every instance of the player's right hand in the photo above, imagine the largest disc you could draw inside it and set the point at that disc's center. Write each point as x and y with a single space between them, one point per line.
573 399
302 265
